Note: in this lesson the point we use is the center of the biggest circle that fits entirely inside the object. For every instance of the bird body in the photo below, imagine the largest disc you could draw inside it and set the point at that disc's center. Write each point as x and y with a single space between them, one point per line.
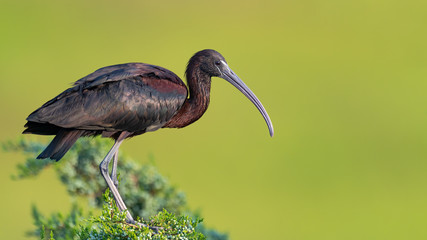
133 97
126 100
126 97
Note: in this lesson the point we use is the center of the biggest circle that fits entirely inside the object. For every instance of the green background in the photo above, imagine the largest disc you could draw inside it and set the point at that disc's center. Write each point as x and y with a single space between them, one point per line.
343 81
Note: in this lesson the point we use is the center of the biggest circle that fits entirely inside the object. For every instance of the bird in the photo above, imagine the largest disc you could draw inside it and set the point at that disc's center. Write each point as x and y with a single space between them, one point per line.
126 100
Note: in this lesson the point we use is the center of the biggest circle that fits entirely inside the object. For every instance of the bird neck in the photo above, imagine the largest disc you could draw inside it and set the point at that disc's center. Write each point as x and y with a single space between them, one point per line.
199 86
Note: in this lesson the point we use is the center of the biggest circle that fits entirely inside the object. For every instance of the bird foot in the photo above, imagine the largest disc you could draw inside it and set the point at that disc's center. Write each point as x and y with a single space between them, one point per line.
155 229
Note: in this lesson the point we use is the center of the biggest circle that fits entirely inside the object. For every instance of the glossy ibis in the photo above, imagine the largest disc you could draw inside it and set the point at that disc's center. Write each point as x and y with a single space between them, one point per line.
126 100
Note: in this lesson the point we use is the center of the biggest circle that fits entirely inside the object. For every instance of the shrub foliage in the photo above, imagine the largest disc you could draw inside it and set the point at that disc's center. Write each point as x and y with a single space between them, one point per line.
148 195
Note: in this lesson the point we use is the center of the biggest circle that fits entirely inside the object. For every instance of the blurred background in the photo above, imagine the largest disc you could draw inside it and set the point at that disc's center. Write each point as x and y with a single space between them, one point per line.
343 81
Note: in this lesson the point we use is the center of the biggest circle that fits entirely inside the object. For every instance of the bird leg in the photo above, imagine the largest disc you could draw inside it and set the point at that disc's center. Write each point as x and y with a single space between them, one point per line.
112 184
114 170
104 171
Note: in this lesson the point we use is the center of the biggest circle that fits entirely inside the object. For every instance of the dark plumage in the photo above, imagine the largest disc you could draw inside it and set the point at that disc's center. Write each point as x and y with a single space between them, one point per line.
126 100
133 97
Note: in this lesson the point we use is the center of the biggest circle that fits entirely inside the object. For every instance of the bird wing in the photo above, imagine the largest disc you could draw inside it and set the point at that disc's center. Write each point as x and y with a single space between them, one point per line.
132 97
124 71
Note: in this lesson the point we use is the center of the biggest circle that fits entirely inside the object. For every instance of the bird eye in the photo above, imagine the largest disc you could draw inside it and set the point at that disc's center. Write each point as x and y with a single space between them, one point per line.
217 63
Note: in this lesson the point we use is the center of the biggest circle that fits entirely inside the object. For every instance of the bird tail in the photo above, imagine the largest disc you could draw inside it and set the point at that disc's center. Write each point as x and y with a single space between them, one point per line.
60 144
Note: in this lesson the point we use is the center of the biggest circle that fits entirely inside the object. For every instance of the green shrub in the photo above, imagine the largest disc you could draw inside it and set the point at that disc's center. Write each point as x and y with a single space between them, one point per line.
147 193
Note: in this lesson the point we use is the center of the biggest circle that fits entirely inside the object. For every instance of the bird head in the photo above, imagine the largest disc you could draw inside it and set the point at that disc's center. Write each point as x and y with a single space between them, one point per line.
213 64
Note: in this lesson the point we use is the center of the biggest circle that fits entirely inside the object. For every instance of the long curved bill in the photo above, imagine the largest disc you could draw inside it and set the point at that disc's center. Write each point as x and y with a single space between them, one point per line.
232 78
